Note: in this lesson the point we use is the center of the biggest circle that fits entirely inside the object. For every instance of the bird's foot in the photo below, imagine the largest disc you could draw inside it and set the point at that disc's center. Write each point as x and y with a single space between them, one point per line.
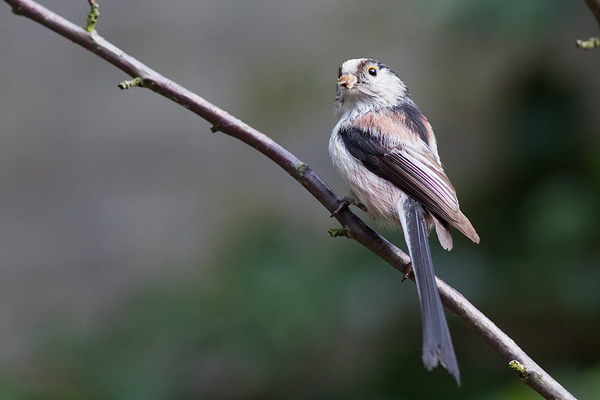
408 273
345 203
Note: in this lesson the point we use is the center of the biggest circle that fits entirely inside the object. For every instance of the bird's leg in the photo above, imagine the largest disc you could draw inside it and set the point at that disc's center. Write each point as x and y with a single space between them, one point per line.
345 203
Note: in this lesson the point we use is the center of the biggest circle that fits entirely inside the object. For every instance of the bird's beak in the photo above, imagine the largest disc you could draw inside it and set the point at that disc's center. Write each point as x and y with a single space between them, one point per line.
347 80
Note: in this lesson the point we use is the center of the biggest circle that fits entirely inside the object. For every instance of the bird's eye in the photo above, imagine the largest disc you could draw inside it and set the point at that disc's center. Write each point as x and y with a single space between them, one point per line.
372 71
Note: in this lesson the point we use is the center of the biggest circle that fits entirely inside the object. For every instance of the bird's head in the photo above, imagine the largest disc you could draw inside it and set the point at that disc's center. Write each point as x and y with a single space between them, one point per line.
364 84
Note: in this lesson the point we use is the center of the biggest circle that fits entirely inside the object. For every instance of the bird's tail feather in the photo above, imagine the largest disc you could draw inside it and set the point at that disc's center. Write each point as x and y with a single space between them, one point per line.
437 344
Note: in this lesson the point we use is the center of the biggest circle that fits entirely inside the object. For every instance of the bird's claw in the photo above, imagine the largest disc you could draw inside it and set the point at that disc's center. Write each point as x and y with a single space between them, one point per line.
408 272
345 203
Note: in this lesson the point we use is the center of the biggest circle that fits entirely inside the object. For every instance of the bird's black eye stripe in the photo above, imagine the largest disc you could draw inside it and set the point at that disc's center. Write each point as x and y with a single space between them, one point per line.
372 71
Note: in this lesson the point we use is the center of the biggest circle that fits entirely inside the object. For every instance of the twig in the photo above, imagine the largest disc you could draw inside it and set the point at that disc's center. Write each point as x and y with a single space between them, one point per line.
92 17
137 81
589 44
592 42
353 226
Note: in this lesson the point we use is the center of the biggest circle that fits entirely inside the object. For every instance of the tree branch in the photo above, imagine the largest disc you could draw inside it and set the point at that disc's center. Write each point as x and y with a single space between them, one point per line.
592 42
222 121
594 5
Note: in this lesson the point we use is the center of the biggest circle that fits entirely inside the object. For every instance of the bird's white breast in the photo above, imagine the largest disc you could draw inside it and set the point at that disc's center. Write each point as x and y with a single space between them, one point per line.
381 198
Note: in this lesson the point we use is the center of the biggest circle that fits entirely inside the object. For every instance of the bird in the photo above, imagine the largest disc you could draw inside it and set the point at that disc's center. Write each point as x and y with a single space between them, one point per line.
385 150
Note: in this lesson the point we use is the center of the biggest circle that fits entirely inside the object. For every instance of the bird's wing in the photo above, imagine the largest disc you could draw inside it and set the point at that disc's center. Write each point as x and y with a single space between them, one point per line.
413 169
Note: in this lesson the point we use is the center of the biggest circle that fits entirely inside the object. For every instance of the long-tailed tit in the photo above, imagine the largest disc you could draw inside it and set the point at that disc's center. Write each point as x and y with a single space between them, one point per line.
384 148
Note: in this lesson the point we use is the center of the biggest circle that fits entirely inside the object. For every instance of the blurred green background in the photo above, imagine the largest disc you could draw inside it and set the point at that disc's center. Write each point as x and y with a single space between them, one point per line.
144 257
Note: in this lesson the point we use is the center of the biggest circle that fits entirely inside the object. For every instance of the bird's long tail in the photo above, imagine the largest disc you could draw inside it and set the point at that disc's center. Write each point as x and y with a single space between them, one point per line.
437 344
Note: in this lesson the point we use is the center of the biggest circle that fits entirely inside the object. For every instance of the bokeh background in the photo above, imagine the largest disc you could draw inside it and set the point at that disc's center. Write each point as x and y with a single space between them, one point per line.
144 257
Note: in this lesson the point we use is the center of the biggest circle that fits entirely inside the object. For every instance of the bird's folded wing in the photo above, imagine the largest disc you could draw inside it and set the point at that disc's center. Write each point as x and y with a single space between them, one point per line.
414 170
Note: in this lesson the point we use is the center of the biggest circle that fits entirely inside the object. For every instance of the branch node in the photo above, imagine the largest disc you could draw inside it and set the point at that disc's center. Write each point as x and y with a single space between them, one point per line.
340 232
301 169
215 128
17 10
137 81
92 16
520 369
589 44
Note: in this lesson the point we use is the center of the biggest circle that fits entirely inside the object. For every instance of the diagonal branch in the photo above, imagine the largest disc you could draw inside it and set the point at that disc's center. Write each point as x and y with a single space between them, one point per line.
222 121
594 5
